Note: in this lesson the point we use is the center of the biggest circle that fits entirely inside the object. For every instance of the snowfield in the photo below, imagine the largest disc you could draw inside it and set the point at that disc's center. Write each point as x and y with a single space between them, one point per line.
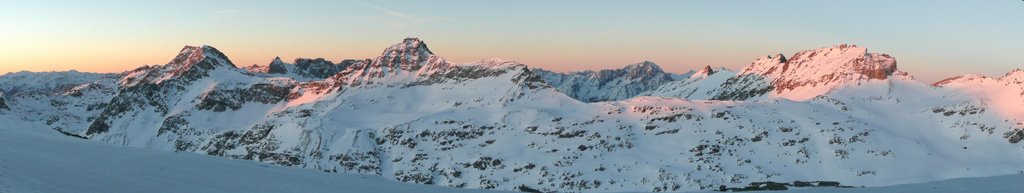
997 184
44 161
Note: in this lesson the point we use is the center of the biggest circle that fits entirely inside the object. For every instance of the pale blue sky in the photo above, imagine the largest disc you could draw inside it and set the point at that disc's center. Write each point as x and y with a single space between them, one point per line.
930 39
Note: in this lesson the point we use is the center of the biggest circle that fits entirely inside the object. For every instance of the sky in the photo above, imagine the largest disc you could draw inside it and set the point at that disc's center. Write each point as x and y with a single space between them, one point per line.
930 39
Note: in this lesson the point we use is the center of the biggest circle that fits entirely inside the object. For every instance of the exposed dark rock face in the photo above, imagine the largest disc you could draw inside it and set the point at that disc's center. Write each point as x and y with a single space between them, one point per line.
233 99
3 102
607 85
318 68
277 66
743 87
777 186
706 71
129 99
408 55
1014 136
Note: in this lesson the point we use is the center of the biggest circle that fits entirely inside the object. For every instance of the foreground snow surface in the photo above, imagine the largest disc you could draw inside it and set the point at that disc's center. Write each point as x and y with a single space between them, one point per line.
41 161
998 184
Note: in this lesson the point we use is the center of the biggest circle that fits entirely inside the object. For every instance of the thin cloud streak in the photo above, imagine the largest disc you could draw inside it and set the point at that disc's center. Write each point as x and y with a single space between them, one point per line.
395 19
390 12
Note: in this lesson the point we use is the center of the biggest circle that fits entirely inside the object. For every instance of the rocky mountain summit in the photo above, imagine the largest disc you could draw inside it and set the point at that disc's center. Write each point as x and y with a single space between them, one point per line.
318 68
812 72
803 76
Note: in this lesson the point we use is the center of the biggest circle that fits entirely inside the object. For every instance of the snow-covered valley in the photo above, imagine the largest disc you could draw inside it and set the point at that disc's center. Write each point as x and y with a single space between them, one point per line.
836 113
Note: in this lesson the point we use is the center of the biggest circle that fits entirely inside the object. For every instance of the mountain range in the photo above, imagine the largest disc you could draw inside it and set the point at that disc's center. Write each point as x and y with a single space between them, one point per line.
837 113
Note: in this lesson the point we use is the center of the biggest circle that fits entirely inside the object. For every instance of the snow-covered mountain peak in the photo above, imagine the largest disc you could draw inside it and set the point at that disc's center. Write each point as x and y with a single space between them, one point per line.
814 72
409 44
642 70
204 57
1004 94
277 60
276 66
766 61
398 64
645 66
190 55
410 54
412 51
191 63
823 61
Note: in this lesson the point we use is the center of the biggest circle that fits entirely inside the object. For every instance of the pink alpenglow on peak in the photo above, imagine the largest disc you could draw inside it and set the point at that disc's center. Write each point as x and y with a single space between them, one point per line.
810 73
704 72
192 62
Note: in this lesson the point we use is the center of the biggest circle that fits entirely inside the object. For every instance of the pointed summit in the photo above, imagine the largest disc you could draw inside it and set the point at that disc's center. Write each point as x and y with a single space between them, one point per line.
411 54
412 45
277 60
409 49
191 63
197 59
192 55
706 71
277 66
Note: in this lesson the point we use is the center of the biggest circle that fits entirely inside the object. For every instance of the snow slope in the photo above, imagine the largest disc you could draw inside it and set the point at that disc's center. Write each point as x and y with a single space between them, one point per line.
50 162
1005 94
698 86
996 184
